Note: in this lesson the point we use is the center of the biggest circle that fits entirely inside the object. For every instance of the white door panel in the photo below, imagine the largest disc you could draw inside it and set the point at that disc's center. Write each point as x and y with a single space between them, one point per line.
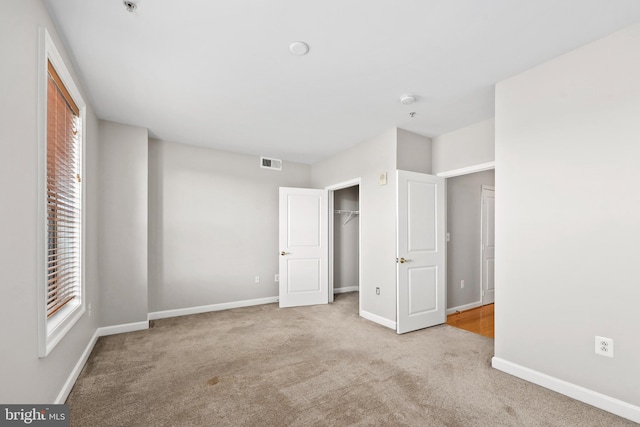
304 275
304 256
420 251
421 233
304 233
423 290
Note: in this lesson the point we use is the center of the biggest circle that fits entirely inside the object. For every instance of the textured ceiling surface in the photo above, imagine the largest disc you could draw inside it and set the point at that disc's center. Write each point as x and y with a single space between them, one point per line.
219 73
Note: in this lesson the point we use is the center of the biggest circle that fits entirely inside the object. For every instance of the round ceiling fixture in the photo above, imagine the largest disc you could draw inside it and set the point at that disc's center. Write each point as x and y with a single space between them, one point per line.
299 48
407 99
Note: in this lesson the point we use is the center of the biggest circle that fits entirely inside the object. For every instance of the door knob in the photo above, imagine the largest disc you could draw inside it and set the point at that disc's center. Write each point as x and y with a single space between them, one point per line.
283 253
402 260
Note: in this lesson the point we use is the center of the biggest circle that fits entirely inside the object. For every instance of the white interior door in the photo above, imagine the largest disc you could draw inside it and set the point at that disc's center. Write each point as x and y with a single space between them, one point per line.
488 244
304 256
421 252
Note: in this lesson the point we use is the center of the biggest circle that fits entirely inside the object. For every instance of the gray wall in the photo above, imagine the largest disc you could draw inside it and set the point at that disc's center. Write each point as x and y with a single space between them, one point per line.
470 146
367 160
213 225
567 216
123 223
377 220
25 377
346 251
463 223
413 152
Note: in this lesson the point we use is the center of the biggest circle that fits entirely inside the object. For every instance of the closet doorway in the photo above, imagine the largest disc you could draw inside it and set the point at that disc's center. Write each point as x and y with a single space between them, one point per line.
344 239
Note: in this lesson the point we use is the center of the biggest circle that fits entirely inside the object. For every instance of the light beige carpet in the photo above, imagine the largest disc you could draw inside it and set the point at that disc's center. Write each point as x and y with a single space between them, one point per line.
308 366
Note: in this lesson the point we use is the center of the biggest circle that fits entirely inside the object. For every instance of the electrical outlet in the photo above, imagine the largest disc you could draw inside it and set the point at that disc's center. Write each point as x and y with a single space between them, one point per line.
448 237
89 307
257 279
276 278
604 346
462 283
377 291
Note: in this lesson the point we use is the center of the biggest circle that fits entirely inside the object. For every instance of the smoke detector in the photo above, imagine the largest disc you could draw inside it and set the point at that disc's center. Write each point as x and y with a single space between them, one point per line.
407 99
129 5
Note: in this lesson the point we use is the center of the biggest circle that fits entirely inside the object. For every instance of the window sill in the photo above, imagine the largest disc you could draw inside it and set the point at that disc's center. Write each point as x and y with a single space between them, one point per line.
60 323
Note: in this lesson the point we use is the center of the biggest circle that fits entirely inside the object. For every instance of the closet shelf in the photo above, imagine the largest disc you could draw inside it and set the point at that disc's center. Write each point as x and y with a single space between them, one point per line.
352 214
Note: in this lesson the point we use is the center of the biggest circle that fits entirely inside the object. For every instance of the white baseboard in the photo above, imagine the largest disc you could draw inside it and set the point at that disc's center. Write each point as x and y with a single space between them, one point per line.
207 308
378 319
121 329
75 372
464 307
100 332
346 289
593 398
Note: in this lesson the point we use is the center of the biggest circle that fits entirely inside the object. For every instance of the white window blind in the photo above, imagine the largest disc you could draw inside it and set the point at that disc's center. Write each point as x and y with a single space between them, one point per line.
63 198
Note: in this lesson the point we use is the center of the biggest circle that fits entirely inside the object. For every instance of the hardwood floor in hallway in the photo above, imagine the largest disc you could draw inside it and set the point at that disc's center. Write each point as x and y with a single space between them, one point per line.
477 320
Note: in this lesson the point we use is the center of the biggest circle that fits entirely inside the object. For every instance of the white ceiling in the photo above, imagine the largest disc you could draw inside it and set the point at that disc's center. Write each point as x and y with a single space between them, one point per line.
220 74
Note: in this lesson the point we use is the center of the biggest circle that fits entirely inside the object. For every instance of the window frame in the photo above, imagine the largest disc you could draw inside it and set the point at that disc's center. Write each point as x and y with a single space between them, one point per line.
53 329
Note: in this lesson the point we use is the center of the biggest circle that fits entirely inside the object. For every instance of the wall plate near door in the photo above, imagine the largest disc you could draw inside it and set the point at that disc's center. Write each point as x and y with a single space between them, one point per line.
382 179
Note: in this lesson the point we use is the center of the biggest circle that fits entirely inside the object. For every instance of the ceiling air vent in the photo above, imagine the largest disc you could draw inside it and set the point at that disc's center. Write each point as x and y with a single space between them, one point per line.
267 163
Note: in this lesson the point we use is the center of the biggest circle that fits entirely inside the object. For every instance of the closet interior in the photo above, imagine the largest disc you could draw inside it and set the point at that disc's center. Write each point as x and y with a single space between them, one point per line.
346 240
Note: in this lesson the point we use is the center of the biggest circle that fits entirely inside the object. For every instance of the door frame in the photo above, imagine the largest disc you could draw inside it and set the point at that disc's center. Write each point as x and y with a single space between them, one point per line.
459 172
333 188
482 188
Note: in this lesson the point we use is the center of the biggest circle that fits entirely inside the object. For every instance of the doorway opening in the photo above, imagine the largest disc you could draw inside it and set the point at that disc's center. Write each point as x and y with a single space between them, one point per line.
470 248
344 239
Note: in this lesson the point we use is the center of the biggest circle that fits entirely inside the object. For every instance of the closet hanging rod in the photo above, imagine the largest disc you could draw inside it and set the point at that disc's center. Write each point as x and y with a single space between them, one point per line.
352 214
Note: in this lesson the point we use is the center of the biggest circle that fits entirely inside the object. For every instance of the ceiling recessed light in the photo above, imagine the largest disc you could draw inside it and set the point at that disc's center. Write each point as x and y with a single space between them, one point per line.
407 99
299 48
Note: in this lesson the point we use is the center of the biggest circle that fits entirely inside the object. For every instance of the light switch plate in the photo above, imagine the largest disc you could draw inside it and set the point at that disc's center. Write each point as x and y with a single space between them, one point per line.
382 179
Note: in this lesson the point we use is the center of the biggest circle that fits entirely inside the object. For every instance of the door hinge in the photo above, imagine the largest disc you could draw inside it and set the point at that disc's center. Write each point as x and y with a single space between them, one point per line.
78 176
